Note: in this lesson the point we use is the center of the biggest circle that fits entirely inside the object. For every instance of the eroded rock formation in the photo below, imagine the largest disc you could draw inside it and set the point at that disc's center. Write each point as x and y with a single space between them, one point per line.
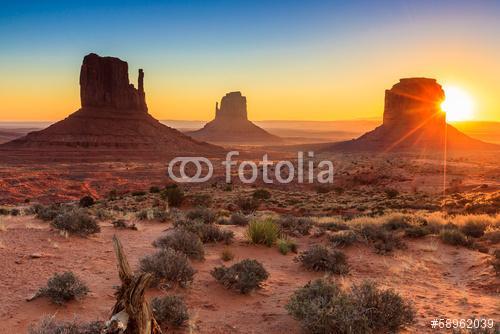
413 120
114 117
231 124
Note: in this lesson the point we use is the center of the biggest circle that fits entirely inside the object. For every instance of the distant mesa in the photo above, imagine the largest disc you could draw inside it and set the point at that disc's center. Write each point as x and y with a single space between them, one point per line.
231 124
113 116
413 120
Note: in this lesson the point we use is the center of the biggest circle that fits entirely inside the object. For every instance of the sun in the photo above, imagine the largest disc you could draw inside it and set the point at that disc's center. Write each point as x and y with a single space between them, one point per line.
458 104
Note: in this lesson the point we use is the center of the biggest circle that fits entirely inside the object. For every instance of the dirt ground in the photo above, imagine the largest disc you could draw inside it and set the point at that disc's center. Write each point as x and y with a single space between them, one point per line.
442 281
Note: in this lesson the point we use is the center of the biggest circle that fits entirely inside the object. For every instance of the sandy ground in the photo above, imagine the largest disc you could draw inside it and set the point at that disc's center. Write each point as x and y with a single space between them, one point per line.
442 281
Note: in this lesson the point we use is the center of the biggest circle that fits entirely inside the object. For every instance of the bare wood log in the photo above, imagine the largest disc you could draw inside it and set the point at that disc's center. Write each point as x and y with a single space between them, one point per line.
131 313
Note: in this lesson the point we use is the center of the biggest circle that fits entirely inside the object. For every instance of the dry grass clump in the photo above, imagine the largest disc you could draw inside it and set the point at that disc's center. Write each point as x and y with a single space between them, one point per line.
49 325
168 266
238 219
344 238
243 276
263 231
295 225
76 221
323 307
204 215
286 245
46 213
227 255
454 237
320 258
170 310
247 205
62 288
475 225
182 241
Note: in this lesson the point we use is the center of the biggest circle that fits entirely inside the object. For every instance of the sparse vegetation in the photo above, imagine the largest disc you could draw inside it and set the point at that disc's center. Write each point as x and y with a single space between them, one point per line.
49 325
247 205
202 200
320 258
261 194
174 195
243 276
238 219
323 307
205 215
168 266
286 245
86 201
182 241
344 238
454 237
62 288
295 225
264 232
227 255
170 310
76 221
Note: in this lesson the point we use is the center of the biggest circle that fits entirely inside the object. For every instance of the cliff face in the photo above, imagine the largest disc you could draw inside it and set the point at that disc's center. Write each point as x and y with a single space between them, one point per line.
231 124
104 83
113 117
413 120
411 102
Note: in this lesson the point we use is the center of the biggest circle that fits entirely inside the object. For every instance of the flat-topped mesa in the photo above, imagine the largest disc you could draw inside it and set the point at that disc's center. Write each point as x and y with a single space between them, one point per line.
104 83
414 101
233 106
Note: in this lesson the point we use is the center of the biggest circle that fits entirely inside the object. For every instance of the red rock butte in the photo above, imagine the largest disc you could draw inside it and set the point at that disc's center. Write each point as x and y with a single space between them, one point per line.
413 120
113 118
231 124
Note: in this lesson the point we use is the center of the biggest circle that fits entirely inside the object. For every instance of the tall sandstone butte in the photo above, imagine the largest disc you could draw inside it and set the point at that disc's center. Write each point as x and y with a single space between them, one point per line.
413 120
231 124
113 117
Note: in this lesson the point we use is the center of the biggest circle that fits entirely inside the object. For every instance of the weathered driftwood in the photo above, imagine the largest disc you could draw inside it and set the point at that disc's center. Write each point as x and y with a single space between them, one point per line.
131 313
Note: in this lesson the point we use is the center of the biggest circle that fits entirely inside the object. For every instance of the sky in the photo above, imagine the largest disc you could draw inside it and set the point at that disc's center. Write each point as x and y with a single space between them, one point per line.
294 60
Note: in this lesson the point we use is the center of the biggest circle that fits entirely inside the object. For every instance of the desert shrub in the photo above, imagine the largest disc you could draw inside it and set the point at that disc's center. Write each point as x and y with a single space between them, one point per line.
417 231
395 222
170 310
454 237
261 194
333 226
474 229
154 190
247 205
323 307
264 232
160 214
49 325
15 212
119 223
174 195
46 213
238 219
76 221
383 241
320 258
203 200
168 266
286 245
243 276
103 214
182 241
144 215
295 225
226 255
138 193
4 212
205 215
63 287
391 193
206 232
496 262
344 238
86 201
